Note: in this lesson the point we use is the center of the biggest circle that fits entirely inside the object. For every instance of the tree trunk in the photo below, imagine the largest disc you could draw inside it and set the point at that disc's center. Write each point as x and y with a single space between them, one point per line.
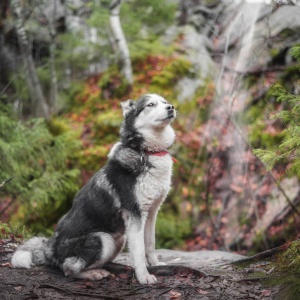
120 39
52 33
52 49
38 101
54 86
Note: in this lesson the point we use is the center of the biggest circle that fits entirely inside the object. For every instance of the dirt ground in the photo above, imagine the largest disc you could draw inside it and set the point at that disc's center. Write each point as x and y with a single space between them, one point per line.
174 282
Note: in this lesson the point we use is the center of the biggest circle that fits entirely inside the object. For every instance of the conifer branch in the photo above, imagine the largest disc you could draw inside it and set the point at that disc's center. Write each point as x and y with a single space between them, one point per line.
248 144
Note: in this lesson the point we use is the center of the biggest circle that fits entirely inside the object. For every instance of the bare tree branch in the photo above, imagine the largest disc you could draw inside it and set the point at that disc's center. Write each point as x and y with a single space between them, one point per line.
120 39
6 181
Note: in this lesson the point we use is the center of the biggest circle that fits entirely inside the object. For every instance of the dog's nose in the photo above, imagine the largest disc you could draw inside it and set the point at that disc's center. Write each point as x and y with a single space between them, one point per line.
170 107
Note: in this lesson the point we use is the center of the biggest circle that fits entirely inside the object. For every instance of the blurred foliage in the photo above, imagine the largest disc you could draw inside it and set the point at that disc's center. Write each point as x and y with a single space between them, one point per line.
143 23
171 230
154 16
44 177
287 151
113 84
14 232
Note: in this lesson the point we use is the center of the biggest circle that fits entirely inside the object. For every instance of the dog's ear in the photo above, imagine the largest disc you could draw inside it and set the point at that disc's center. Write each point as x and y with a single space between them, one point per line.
127 106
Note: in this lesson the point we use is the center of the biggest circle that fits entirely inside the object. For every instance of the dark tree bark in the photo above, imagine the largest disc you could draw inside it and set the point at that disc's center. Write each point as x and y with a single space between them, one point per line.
52 48
39 105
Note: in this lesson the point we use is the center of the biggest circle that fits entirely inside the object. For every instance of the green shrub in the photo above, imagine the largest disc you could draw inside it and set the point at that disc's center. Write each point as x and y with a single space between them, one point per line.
171 230
113 84
288 150
177 69
44 178
18 232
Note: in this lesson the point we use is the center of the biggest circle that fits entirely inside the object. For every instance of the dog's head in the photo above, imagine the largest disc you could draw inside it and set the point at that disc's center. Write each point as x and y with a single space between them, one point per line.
147 118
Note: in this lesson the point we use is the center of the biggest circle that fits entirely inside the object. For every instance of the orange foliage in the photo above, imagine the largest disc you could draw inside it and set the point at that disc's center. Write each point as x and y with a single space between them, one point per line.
147 68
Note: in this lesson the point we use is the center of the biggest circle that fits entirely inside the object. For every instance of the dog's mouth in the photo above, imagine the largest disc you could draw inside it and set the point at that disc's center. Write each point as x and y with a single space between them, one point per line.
169 117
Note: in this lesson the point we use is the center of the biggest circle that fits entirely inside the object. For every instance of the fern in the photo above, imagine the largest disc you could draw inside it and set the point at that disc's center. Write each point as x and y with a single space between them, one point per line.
269 158
38 161
296 53
288 150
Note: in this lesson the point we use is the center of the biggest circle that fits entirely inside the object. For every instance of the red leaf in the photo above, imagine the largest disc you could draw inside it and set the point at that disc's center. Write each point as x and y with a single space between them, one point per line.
174 294
266 292
202 292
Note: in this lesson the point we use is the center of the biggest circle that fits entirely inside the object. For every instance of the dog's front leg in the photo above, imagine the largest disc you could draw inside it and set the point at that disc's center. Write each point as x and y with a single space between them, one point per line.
135 235
149 237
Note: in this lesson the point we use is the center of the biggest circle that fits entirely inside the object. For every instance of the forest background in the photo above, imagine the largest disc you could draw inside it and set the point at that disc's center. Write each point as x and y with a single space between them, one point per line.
231 68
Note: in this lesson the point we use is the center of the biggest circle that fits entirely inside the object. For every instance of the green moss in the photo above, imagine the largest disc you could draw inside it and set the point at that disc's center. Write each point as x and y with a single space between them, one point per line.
289 260
92 159
69 97
172 73
142 48
59 126
109 118
274 52
171 230
17 231
113 84
286 33
287 272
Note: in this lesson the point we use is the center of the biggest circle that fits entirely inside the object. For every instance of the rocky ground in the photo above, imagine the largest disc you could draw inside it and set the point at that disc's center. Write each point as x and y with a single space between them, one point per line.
189 275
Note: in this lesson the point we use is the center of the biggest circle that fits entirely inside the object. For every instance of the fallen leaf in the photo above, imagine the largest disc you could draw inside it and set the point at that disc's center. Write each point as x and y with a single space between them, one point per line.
18 288
8 264
266 292
174 295
202 292
89 285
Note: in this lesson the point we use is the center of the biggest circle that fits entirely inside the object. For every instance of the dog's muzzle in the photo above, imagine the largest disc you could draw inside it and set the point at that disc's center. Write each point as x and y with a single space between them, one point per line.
170 108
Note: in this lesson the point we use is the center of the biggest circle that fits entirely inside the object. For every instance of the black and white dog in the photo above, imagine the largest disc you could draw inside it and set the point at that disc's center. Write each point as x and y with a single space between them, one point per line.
119 203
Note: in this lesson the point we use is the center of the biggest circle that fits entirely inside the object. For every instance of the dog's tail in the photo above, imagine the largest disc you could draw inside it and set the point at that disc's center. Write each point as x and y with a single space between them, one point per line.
35 251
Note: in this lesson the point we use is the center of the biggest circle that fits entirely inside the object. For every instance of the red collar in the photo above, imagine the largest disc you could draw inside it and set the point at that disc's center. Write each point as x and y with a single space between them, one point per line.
156 153
159 153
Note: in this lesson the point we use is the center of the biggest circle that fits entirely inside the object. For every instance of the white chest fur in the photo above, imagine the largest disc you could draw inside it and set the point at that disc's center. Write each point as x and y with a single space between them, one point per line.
154 184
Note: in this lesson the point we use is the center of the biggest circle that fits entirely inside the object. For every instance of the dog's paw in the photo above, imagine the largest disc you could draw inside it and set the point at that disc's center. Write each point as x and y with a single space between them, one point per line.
154 262
98 274
160 263
94 274
146 279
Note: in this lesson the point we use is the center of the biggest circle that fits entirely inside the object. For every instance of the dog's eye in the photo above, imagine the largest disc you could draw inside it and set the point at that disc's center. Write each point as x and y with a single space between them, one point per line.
165 102
150 104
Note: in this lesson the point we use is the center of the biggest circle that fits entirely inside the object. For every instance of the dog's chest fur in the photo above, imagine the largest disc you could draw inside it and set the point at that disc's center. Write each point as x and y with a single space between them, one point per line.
154 183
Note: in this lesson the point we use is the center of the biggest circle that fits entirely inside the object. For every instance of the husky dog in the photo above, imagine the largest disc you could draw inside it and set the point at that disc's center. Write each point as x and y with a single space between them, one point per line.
120 202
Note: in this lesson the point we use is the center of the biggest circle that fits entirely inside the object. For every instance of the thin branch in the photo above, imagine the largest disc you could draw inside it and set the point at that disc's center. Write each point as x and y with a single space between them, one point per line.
7 86
259 256
262 70
6 181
